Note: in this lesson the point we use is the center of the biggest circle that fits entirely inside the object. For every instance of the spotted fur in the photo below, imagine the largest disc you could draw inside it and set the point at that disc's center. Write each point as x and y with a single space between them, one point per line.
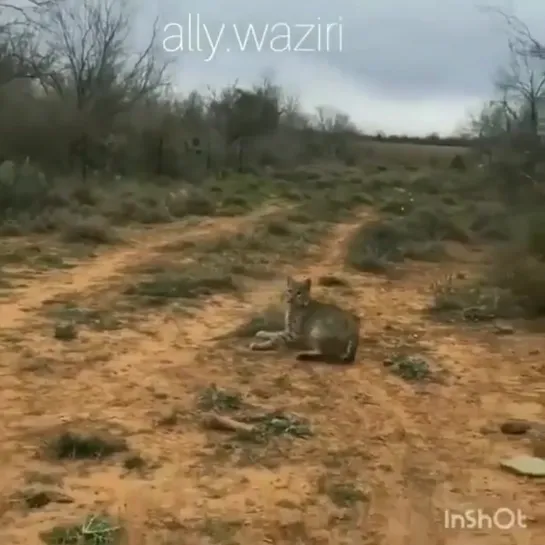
329 332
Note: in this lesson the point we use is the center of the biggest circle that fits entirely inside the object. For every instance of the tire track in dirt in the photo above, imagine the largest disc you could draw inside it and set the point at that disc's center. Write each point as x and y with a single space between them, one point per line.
110 263
151 367
427 452
418 451
448 463
424 448
354 408
143 379
33 370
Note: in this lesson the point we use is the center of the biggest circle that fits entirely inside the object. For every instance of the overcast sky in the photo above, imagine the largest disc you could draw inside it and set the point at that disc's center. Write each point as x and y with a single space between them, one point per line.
402 67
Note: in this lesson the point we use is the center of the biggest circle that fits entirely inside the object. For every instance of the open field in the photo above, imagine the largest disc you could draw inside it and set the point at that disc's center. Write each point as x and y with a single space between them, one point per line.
409 154
123 341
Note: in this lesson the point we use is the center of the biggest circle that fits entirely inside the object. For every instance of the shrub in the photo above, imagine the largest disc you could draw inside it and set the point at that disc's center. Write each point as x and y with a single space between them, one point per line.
419 236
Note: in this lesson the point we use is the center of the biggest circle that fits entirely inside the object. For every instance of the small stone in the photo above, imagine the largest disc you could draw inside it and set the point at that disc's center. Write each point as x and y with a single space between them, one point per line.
515 427
503 329
529 466
487 430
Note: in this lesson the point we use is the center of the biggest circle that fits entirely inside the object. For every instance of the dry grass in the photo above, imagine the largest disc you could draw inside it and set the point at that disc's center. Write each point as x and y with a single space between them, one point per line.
511 285
177 433
417 233
411 155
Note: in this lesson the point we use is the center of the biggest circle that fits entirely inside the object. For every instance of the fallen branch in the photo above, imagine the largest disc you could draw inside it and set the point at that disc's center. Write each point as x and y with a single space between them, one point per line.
225 423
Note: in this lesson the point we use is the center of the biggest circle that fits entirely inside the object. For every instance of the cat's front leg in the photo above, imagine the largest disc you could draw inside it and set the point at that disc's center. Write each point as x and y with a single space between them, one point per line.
269 344
267 334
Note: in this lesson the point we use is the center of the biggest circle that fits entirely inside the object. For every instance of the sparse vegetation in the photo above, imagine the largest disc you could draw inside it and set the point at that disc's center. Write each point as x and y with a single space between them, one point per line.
70 315
303 410
511 286
95 530
187 283
341 494
221 265
216 399
409 367
276 424
419 235
94 230
220 532
66 331
122 202
73 445
519 267
472 301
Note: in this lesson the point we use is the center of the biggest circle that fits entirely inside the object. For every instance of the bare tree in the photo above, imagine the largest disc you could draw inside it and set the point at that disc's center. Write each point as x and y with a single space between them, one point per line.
489 127
94 59
522 84
331 120
333 131
522 87
94 70
521 38
21 54
494 120
292 115
21 13
243 115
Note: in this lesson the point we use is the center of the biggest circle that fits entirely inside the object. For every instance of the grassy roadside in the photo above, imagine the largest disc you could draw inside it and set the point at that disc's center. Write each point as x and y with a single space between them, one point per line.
193 272
187 272
77 221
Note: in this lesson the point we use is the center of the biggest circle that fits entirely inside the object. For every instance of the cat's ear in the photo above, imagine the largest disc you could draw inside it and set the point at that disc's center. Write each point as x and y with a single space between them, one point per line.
307 283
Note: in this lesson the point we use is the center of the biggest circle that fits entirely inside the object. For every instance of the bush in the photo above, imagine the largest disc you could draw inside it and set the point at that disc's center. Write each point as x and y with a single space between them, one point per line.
490 221
373 247
520 266
94 230
418 235
472 301
22 188
427 224
524 276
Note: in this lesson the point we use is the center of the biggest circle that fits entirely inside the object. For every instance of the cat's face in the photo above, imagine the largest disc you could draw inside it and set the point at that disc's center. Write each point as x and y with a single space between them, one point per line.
298 293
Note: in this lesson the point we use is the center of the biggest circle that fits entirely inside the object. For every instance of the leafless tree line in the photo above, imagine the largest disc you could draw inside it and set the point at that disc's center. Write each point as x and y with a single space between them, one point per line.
508 126
74 95
520 84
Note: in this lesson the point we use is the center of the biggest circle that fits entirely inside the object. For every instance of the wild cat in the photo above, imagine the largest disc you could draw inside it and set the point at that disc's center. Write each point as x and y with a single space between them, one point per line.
328 331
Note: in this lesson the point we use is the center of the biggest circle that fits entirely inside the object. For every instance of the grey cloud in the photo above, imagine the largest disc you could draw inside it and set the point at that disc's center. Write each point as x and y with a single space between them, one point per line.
393 51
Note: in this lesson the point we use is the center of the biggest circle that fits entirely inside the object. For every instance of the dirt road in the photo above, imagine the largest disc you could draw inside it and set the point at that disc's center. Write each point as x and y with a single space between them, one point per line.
415 451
